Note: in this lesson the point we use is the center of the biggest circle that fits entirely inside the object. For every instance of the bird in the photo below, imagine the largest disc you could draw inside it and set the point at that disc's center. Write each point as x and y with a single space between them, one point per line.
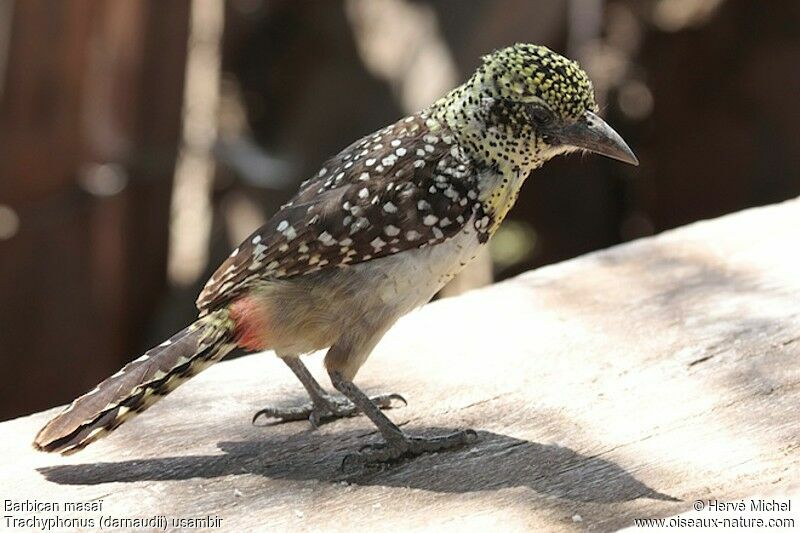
375 233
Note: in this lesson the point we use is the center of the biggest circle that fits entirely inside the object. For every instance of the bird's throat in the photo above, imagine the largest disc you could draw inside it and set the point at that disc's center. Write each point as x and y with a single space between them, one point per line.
499 189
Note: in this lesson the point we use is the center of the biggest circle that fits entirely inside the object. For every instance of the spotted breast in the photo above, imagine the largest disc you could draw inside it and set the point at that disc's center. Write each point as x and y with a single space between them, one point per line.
407 187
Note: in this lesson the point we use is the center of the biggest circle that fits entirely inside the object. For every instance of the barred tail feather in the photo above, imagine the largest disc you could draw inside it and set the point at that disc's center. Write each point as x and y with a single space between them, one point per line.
138 385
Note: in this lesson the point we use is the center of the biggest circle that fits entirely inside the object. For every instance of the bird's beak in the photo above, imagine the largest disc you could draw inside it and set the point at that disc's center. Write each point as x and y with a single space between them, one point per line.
592 133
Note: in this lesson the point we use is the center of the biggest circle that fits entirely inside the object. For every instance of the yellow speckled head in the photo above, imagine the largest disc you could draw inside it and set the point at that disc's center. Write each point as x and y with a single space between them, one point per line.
524 105
529 72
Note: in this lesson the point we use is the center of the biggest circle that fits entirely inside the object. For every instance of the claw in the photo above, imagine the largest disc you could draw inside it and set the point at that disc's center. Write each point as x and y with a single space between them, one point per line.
264 412
352 462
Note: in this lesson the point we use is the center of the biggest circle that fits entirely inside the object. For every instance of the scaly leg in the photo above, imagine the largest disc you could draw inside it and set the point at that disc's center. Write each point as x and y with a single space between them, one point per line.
396 443
323 407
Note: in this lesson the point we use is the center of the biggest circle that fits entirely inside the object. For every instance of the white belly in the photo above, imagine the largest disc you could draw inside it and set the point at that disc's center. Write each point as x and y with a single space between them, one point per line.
312 312
411 278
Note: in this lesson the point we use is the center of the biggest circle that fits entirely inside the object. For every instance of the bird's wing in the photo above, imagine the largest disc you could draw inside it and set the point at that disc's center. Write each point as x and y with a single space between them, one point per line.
403 187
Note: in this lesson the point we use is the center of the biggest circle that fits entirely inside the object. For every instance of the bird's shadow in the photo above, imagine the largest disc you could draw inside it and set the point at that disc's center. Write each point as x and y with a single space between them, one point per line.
494 462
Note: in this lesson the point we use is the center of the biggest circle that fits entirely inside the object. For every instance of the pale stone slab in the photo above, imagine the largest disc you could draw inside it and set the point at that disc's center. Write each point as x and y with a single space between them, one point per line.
626 383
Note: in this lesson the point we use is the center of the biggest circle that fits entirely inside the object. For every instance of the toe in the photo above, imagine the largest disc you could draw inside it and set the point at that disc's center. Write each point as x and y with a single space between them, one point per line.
284 414
470 436
315 418
386 401
341 407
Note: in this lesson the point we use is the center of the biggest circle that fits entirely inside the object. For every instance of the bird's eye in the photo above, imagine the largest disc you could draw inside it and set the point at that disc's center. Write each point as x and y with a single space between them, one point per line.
540 116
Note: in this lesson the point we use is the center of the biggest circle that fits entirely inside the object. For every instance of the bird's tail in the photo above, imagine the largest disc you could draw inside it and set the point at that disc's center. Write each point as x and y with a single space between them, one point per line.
139 384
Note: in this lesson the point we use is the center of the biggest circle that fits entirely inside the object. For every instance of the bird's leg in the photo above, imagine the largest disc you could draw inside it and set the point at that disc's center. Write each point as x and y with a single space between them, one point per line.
396 443
323 407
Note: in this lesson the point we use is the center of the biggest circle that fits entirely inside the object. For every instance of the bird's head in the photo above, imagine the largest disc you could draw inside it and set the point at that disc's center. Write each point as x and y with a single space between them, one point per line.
526 104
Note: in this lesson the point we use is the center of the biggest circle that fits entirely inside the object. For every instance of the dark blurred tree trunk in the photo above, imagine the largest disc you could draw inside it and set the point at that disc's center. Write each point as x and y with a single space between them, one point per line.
89 125
724 131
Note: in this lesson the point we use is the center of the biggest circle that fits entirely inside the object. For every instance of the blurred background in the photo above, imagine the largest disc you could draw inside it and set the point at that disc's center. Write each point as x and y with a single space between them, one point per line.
141 140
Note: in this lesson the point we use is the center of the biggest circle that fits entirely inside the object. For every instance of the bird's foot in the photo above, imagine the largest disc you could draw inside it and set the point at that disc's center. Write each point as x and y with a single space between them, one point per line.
326 409
401 448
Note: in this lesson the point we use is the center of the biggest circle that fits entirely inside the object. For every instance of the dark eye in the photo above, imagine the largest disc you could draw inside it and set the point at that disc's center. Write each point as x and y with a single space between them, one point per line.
540 115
